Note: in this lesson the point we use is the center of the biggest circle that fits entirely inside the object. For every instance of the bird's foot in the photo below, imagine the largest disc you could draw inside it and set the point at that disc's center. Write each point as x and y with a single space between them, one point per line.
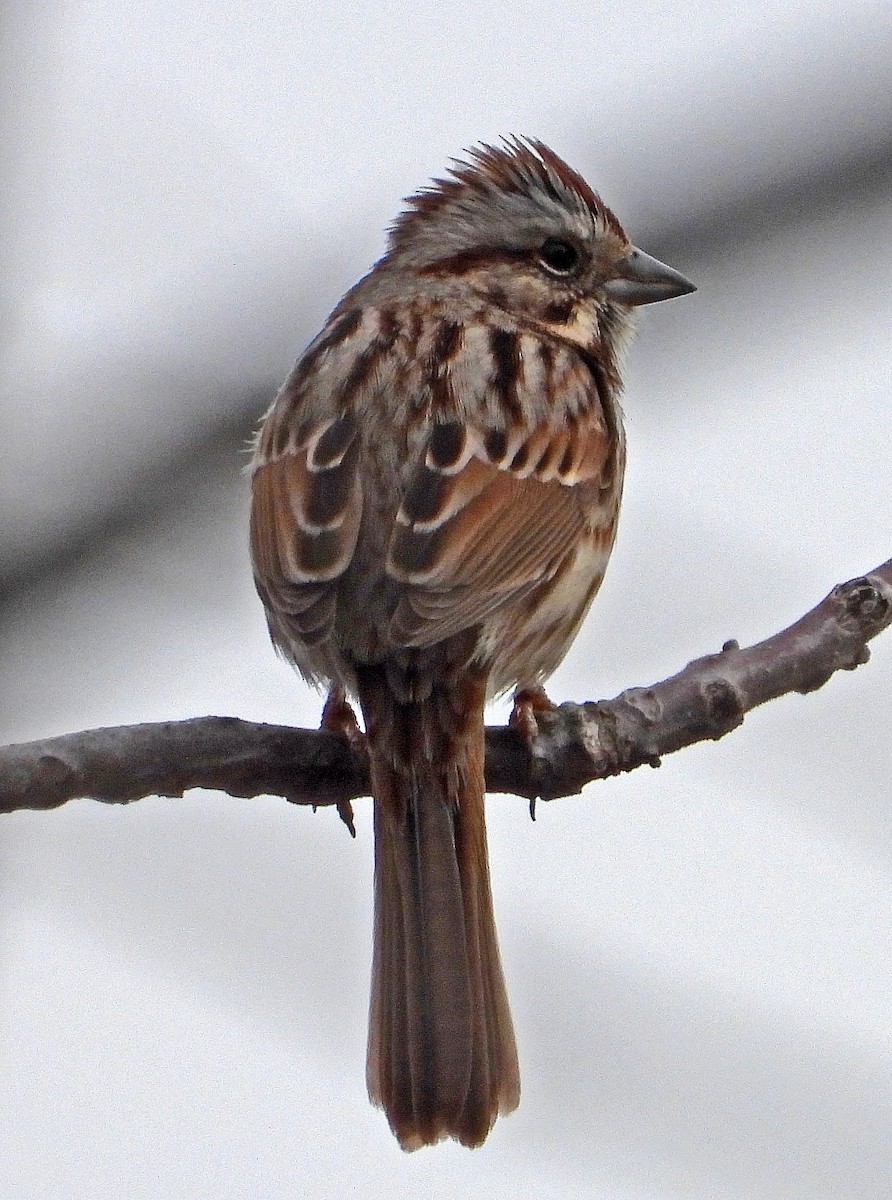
528 703
338 717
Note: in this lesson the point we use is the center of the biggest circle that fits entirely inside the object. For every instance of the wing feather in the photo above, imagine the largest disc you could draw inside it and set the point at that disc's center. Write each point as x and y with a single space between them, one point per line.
480 529
305 516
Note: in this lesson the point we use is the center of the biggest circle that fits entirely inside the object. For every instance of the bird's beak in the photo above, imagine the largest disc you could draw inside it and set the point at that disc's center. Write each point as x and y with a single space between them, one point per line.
640 279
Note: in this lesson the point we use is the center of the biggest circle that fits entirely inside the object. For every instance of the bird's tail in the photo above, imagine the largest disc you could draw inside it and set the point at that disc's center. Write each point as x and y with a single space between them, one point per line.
442 1060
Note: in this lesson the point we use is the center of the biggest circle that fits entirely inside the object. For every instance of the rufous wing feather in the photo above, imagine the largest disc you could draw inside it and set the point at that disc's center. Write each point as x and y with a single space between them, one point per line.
305 517
489 515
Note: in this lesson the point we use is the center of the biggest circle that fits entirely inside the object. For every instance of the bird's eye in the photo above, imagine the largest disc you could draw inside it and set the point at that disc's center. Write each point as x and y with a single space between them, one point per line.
558 256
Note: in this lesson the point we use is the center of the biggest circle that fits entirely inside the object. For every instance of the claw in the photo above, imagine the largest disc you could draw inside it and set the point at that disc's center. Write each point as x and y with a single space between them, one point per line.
345 812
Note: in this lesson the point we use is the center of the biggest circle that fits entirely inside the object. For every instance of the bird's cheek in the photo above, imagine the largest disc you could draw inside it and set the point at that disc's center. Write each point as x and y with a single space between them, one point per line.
573 320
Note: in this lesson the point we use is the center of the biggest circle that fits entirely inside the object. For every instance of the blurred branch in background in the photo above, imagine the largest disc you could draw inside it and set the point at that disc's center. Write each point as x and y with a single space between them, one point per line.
856 173
159 485
575 744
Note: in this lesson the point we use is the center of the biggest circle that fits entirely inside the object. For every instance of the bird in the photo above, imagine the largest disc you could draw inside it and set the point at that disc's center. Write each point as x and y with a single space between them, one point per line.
434 498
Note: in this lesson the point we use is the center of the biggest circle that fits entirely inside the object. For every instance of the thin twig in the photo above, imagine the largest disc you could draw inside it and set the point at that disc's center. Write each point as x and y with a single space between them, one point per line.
577 743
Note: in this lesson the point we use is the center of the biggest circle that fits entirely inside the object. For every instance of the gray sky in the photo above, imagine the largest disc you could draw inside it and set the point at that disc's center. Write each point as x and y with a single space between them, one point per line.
698 957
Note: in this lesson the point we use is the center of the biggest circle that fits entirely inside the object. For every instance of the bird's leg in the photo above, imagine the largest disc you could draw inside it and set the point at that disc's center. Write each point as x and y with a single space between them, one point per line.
338 717
528 702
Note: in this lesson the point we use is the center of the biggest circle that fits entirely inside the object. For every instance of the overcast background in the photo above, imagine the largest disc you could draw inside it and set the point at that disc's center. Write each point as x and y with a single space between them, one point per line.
698 957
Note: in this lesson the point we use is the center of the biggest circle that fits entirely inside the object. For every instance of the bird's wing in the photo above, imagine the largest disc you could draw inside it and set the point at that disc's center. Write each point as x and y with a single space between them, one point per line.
492 513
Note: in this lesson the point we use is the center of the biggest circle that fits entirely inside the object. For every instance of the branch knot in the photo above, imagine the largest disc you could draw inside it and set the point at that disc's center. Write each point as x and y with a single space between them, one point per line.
866 601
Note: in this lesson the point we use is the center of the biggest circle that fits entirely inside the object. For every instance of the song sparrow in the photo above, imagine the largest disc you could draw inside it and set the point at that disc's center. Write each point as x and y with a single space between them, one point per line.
435 497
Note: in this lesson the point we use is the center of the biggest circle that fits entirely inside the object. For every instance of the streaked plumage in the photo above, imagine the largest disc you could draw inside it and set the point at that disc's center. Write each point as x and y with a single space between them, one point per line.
435 497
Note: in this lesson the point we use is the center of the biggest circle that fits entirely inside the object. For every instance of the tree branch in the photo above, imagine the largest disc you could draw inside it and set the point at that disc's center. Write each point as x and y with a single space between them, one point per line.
577 742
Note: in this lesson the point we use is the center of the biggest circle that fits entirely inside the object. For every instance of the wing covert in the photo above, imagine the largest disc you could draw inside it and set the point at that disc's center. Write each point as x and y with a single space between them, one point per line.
491 514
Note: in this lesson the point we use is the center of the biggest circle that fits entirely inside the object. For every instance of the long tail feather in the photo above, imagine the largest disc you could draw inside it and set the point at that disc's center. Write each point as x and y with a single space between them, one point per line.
442 1060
